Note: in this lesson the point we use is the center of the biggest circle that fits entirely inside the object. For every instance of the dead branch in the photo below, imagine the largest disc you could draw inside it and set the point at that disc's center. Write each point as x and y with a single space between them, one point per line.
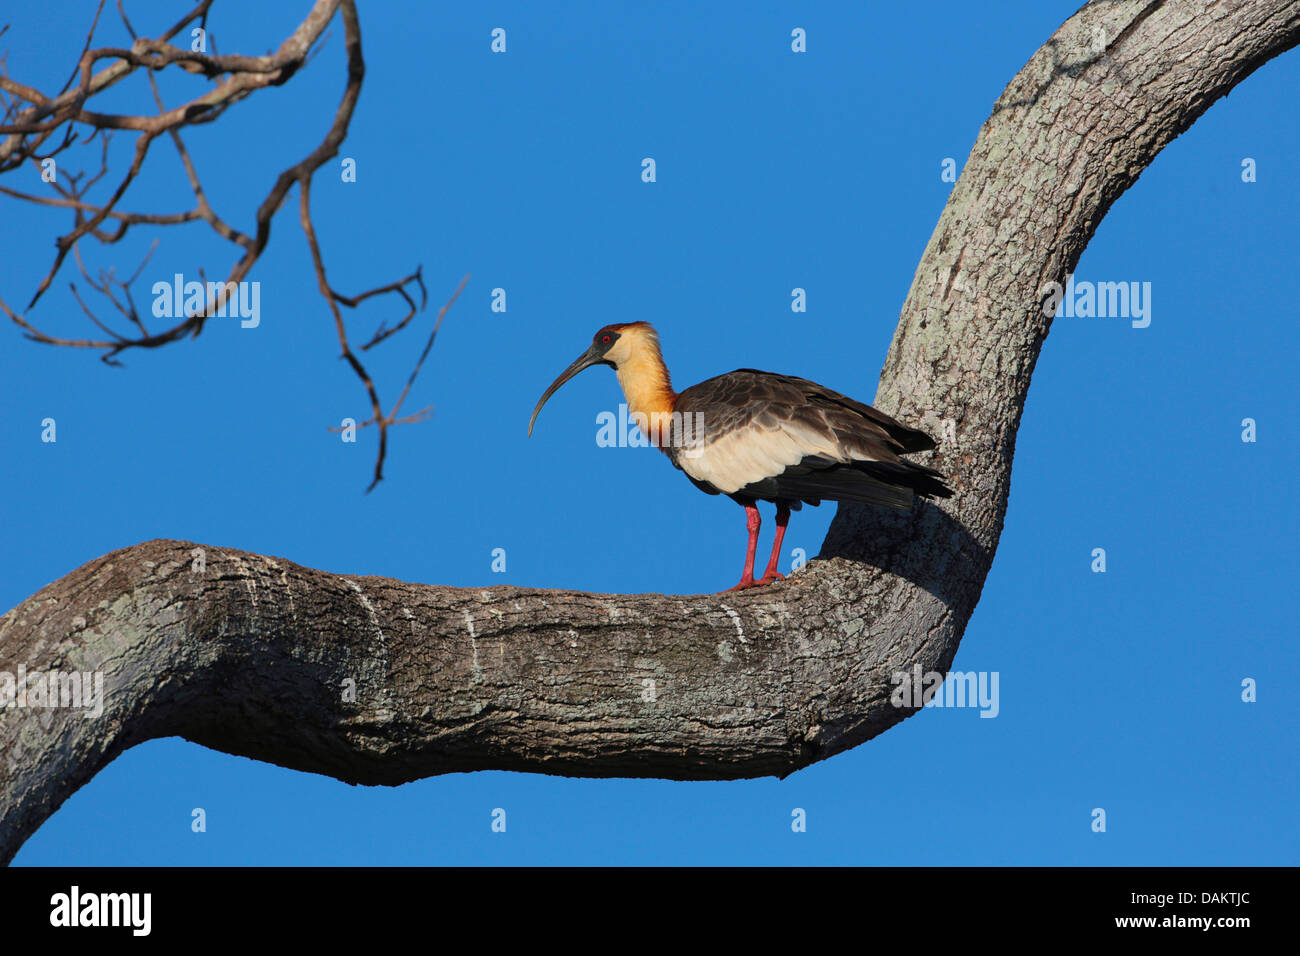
40 126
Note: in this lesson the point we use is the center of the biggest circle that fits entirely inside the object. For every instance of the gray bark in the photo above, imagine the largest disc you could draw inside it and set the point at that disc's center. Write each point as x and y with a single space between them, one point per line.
252 654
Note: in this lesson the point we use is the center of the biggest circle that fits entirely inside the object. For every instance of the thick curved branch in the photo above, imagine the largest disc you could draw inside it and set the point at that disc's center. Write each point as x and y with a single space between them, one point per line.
376 681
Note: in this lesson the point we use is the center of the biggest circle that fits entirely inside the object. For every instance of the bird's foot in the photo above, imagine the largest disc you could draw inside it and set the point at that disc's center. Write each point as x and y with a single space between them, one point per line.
749 582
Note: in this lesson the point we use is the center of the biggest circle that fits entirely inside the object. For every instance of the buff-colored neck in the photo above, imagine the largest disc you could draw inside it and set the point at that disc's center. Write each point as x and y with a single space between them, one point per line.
644 378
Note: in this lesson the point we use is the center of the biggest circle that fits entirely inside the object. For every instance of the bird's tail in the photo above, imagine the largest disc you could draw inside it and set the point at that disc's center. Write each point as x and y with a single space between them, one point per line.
891 484
924 481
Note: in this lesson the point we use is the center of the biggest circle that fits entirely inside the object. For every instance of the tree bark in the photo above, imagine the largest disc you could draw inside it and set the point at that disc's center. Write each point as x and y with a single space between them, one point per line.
257 656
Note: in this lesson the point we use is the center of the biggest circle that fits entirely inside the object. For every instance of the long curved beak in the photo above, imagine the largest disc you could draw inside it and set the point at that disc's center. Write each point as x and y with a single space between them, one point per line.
585 360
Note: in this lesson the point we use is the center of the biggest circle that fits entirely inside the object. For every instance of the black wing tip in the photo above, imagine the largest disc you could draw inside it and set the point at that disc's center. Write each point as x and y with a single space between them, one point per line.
916 440
923 481
934 488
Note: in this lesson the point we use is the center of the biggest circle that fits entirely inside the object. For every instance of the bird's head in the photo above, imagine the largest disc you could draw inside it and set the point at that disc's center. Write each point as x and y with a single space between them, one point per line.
617 346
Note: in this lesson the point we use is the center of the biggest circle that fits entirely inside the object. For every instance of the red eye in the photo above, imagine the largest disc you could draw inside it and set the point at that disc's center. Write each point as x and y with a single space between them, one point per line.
605 339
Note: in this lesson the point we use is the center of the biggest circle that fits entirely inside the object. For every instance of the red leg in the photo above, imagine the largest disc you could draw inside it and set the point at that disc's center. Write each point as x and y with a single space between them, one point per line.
752 522
771 574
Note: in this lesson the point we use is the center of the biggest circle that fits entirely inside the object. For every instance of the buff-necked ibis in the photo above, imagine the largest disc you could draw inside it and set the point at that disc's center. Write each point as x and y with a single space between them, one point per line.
759 436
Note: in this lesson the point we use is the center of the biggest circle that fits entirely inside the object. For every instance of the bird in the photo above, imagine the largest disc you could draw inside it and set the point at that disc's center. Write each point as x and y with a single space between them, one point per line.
761 436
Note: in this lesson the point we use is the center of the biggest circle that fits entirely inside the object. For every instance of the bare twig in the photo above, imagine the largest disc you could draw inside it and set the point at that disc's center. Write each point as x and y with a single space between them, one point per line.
36 127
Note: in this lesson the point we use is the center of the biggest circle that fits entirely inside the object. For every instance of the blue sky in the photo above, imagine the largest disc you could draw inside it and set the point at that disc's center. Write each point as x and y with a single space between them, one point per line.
775 170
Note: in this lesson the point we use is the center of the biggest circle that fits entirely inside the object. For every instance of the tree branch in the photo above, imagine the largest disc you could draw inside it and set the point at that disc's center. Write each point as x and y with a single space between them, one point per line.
252 655
30 127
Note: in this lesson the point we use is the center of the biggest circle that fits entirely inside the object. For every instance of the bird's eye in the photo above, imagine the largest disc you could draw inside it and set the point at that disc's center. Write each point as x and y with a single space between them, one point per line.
605 339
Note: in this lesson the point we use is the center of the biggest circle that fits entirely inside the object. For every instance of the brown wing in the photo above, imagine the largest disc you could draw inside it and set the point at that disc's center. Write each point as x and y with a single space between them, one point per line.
908 439
764 435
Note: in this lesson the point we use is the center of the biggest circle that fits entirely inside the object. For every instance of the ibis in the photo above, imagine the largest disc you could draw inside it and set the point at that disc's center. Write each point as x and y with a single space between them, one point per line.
760 436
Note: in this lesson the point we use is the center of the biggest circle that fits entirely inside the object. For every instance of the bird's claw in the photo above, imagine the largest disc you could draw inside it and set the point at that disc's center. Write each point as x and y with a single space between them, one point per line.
746 583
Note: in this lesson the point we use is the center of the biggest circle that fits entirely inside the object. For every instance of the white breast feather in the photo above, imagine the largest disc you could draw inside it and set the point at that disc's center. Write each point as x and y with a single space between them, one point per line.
752 453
